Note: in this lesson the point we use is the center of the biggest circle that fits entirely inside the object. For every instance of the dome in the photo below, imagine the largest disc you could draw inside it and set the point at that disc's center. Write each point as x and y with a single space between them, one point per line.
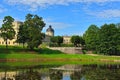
50 29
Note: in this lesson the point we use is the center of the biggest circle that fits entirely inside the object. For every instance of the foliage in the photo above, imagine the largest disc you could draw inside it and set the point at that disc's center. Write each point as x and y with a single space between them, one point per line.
77 40
104 40
108 38
91 37
34 26
7 31
56 40
22 35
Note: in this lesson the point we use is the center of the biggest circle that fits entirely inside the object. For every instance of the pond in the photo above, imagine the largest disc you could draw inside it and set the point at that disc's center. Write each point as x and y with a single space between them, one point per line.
61 72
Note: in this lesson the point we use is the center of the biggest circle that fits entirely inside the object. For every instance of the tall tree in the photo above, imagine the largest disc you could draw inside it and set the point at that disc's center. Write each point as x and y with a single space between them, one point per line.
108 37
34 25
22 35
7 31
91 37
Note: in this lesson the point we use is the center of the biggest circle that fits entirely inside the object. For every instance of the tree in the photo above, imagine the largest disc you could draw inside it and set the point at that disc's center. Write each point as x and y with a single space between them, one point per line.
108 37
53 39
59 40
91 37
76 40
56 40
118 38
22 36
7 31
34 26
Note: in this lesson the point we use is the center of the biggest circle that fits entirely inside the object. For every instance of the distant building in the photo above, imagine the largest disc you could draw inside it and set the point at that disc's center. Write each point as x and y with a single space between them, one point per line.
66 39
49 33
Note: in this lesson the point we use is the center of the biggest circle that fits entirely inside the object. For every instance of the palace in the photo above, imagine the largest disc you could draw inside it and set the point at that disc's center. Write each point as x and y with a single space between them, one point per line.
49 33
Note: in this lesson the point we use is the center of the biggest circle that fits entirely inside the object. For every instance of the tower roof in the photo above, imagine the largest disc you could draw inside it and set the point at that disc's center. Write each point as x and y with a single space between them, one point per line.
50 29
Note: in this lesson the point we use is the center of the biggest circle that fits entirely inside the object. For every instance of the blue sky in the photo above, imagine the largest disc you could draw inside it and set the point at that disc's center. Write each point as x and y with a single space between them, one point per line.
68 17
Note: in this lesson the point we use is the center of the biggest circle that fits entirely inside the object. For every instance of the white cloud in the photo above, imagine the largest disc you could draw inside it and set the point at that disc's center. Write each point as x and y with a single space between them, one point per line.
35 4
58 25
110 13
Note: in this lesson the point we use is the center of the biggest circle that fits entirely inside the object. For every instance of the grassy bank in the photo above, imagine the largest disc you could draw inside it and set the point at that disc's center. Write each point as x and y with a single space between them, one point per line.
20 56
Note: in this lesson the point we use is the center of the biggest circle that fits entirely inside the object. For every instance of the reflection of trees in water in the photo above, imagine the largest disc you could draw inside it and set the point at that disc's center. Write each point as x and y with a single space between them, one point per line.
6 79
102 72
56 75
88 72
75 75
28 75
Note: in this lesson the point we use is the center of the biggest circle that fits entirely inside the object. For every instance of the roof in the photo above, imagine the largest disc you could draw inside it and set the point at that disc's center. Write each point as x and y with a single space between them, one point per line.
50 29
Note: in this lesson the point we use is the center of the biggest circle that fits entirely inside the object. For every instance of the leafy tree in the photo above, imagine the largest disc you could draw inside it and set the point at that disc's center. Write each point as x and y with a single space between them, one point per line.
56 40
7 31
82 41
34 26
76 40
91 37
59 40
53 39
22 36
108 37
118 37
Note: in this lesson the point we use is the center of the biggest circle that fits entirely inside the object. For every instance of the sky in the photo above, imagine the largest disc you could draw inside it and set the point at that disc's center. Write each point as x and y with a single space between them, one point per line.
67 17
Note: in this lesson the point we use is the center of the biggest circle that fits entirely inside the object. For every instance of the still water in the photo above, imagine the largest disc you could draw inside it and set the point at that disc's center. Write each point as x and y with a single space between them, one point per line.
61 72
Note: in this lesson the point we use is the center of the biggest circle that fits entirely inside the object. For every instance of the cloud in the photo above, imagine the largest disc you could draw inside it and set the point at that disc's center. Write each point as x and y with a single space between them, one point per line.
110 13
58 25
35 4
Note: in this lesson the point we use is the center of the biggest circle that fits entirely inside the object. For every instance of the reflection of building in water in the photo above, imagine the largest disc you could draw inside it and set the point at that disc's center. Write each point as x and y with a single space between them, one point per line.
73 72
8 75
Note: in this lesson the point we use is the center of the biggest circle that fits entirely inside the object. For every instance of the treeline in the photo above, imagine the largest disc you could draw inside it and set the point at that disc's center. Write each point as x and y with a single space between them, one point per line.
100 40
103 40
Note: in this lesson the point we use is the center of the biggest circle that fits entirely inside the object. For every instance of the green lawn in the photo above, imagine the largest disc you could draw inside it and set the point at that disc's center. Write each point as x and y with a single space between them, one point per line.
18 55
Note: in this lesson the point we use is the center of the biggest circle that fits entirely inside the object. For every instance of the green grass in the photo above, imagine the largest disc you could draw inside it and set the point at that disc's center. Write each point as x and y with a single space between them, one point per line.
19 56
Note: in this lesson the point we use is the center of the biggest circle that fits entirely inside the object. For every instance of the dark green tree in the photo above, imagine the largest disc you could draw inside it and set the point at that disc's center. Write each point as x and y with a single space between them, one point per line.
118 38
22 36
34 25
7 31
53 39
76 40
91 37
56 40
59 40
108 38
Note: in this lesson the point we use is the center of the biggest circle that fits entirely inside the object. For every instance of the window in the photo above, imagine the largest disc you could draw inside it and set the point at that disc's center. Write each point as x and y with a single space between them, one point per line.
2 42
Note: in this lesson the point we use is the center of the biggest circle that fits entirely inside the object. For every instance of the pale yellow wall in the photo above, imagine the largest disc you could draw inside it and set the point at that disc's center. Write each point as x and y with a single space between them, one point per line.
66 39
16 25
49 33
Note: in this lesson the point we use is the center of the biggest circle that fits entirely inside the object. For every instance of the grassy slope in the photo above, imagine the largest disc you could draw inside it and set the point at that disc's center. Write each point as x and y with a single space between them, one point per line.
47 56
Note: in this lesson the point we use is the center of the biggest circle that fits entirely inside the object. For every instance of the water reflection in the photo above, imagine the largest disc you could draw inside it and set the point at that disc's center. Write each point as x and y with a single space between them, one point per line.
65 72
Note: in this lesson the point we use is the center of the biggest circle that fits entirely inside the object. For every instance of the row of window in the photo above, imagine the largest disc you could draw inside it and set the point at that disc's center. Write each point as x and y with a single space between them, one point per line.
5 43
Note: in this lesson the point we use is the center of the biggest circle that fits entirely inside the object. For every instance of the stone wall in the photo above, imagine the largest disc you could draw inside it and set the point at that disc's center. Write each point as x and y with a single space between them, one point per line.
68 50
